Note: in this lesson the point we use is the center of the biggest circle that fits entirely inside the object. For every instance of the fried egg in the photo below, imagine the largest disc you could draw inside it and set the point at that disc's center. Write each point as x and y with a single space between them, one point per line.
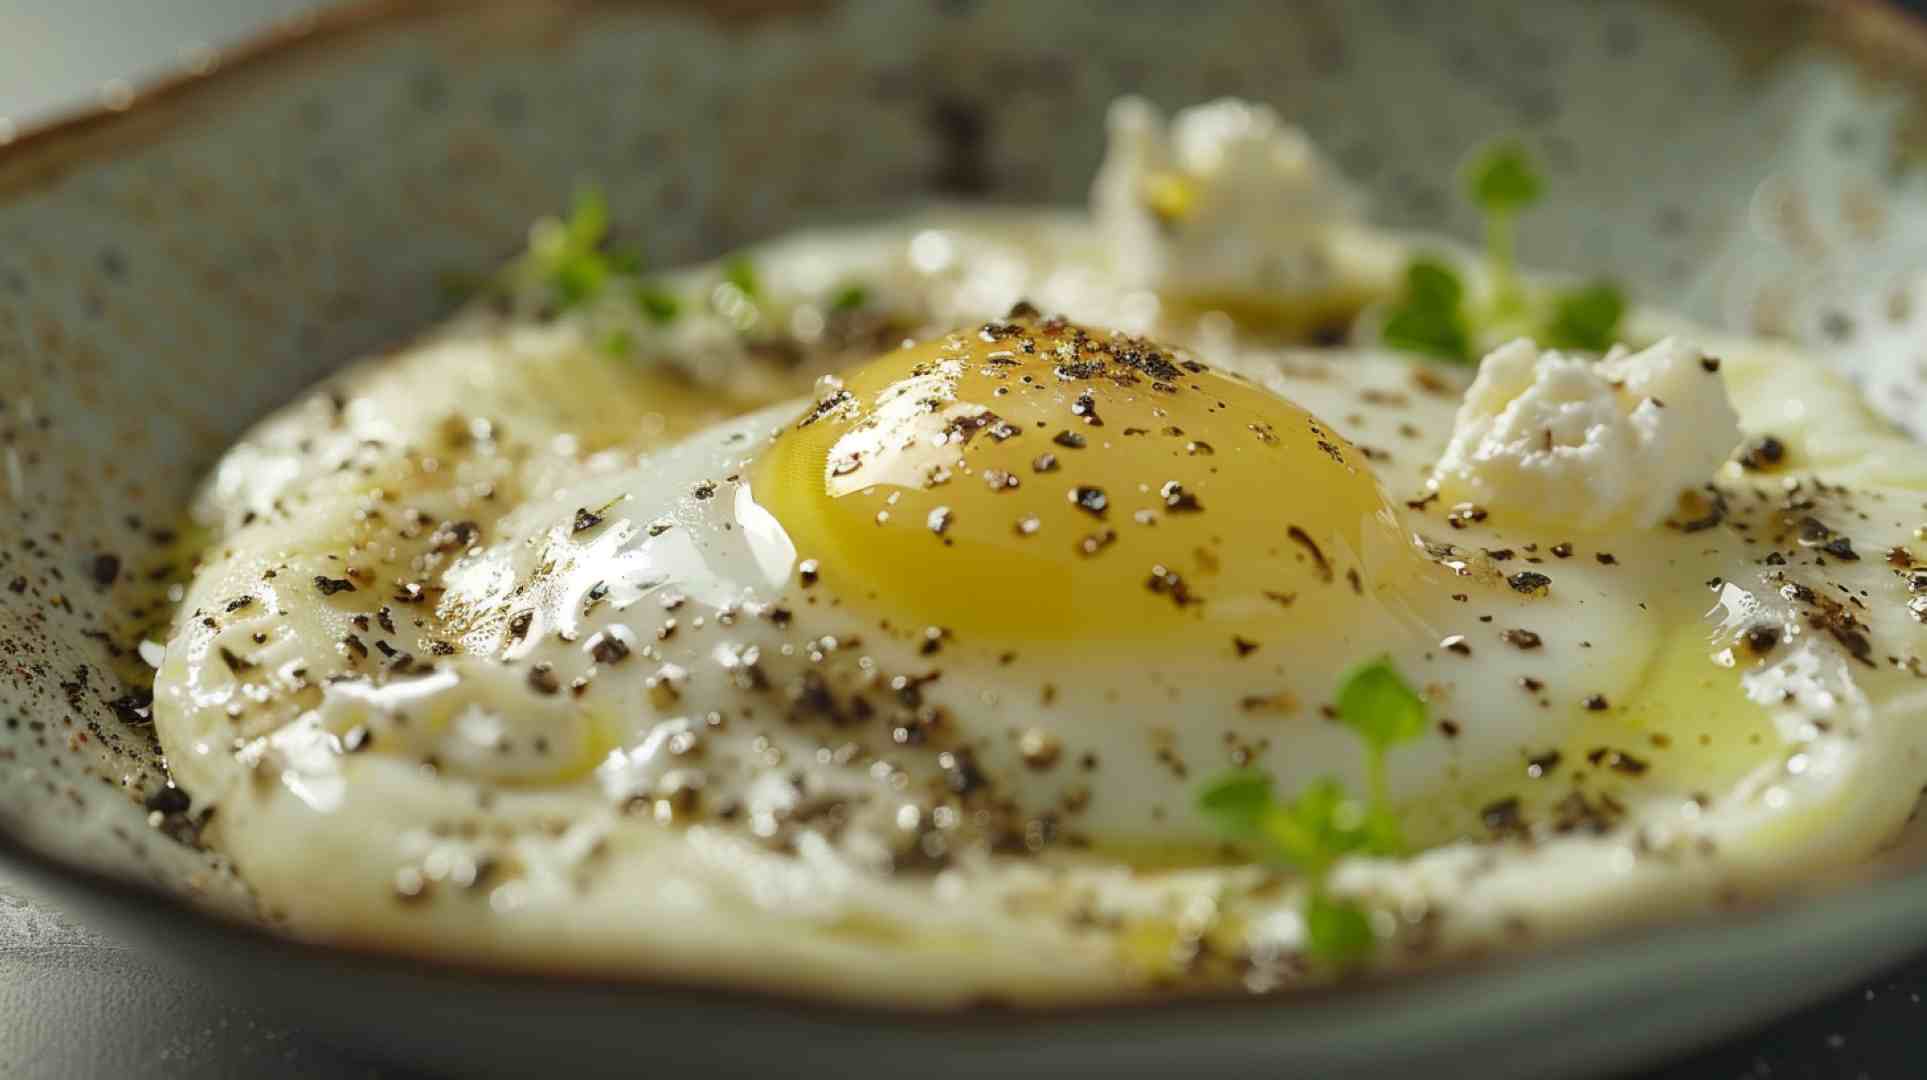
892 671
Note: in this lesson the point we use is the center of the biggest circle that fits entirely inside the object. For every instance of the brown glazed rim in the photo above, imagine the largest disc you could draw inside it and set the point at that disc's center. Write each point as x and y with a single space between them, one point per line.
1887 42
42 153
1885 39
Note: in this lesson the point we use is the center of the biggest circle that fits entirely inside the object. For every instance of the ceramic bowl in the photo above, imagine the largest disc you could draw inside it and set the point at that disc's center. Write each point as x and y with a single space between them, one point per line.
174 267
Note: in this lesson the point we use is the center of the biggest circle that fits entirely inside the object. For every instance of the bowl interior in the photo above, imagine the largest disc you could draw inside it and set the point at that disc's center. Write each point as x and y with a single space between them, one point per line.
168 275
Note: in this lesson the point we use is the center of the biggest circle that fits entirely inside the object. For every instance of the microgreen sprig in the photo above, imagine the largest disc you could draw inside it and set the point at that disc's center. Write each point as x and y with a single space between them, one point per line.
658 304
573 260
1323 823
1434 317
1501 182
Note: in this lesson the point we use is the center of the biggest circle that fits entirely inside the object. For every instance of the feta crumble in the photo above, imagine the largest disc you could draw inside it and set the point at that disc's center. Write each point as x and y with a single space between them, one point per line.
1558 437
1226 199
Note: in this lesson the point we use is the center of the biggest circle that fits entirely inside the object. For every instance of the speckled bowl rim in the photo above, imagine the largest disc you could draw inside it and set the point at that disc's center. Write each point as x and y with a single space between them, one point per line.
41 152
1876 35
1879 35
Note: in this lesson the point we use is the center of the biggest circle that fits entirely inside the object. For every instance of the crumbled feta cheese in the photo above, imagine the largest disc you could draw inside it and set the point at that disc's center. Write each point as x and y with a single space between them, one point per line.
1589 444
1226 199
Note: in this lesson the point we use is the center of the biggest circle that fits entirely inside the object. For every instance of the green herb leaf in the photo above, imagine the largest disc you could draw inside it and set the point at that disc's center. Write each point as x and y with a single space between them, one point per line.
1375 702
1429 318
573 263
1585 318
579 277
849 298
1431 283
1502 179
1337 931
588 221
1429 333
1316 828
625 262
1238 801
661 307
619 343
740 272
1383 835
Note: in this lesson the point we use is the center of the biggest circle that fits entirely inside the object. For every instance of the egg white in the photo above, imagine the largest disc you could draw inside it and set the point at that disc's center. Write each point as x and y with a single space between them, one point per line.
697 810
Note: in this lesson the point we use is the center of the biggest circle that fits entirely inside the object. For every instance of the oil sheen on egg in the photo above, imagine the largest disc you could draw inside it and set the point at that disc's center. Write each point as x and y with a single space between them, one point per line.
902 689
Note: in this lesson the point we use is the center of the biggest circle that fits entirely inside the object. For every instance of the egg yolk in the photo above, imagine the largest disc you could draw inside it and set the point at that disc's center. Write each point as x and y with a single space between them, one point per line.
1040 481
